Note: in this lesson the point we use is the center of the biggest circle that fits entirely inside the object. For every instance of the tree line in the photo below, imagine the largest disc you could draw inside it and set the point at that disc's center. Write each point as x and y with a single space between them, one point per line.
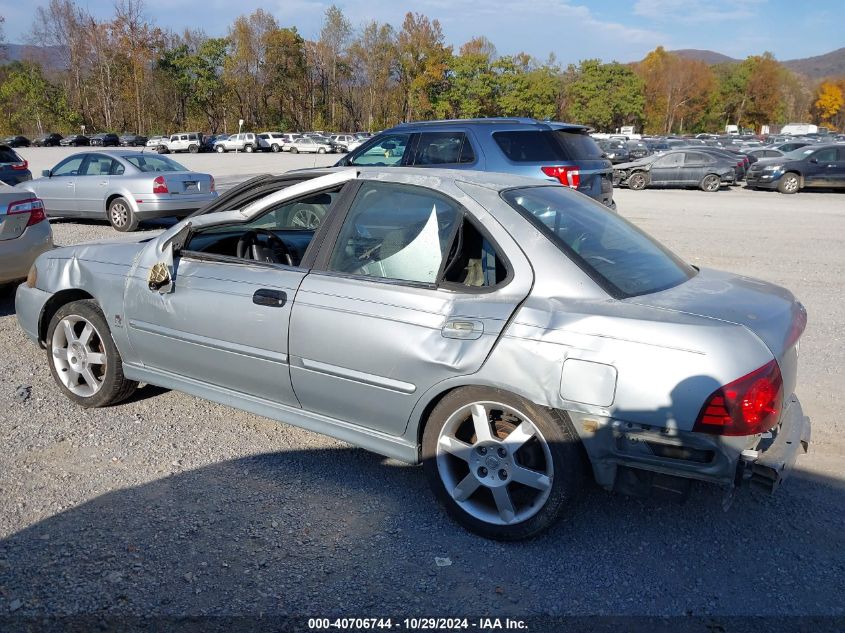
127 74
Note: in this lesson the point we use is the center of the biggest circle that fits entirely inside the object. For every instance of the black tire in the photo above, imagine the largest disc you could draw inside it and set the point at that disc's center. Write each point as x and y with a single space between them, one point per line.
115 387
711 183
789 183
274 148
321 150
293 150
556 433
193 149
249 149
161 149
637 181
121 216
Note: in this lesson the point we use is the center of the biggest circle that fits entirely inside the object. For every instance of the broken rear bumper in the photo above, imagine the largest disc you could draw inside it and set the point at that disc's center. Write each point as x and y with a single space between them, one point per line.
771 462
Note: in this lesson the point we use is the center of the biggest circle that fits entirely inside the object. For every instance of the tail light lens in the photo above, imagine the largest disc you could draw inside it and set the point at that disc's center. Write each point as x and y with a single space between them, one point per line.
746 406
567 176
159 185
33 206
20 166
212 183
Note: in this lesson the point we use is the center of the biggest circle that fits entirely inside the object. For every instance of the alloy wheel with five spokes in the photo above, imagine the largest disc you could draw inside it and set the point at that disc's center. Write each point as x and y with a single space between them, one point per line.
502 466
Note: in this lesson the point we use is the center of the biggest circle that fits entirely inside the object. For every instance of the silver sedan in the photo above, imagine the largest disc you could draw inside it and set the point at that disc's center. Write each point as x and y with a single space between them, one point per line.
511 335
123 186
24 233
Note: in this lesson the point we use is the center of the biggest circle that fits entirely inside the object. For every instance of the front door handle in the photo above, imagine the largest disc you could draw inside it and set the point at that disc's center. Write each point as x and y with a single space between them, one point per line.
270 298
464 329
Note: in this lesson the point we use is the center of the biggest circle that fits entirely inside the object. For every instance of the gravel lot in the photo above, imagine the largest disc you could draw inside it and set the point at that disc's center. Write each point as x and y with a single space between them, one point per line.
168 504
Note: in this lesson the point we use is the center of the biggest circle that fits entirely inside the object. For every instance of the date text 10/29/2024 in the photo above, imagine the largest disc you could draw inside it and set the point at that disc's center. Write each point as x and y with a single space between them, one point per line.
417 624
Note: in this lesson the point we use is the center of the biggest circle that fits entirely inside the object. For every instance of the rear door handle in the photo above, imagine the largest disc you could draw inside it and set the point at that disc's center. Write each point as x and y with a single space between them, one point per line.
270 298
464 329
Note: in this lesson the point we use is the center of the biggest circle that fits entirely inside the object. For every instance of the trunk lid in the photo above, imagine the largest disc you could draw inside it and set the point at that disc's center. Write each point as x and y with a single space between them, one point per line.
185 183
771 312
13 226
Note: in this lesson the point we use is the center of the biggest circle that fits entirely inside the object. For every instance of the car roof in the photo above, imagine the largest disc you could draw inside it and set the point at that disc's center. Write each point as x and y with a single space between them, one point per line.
505 123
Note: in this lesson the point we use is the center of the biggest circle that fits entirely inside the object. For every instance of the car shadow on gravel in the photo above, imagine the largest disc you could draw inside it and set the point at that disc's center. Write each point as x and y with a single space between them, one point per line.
7 299
346 532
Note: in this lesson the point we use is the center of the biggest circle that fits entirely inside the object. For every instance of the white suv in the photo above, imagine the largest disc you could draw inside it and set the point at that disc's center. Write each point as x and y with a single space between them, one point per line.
246 142
271 141
184 142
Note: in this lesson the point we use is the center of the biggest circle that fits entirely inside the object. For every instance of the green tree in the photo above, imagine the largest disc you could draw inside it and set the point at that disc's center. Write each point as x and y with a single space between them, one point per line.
27 98
526 88
605 96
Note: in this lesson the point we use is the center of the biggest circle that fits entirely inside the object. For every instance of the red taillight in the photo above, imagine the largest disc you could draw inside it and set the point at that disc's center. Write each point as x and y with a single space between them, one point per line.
159 186
569 176
33 206
746 406
20 166
212 183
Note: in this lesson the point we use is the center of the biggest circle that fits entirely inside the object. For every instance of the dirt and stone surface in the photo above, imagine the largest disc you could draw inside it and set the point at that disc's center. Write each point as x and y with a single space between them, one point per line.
168 504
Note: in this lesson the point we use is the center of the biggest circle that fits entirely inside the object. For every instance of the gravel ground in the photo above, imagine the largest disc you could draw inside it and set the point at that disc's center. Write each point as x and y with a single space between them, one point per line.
168 504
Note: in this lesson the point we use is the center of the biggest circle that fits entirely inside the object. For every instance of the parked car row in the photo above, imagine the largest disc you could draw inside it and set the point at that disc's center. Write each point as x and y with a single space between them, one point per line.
788 168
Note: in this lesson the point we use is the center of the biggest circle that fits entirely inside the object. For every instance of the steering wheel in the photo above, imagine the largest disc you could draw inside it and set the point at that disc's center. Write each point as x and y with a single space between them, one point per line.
276 252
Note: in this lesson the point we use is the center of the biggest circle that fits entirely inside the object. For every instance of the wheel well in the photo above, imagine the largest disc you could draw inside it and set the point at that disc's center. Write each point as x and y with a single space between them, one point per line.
427 412
112 198
53 304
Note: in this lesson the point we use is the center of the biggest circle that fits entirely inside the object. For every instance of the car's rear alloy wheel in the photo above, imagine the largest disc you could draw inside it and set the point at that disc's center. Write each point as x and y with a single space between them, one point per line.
193 149
503 467
83 358
248 149
220 149
274 148
789 183
293 150
711 183
321 150
121 216
637 181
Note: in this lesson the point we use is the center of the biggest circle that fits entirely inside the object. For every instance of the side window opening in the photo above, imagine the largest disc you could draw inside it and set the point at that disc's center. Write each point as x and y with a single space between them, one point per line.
280 235
473 261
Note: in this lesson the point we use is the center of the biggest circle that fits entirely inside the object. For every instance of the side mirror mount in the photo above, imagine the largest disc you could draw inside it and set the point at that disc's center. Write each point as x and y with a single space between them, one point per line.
46 173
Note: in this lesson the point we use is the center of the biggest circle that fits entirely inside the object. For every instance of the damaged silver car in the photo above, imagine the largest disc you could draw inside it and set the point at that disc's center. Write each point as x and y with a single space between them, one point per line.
509 334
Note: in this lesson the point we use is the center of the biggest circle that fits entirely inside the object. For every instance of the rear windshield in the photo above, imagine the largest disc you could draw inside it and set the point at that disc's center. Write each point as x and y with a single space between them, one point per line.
617 255
154 163
537 146
8 156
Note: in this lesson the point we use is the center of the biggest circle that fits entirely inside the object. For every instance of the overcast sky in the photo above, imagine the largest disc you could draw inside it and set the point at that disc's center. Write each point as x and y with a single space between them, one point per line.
619 30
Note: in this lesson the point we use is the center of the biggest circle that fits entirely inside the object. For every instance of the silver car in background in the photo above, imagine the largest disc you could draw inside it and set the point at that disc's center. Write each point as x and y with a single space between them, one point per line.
123 186
510 334
24 233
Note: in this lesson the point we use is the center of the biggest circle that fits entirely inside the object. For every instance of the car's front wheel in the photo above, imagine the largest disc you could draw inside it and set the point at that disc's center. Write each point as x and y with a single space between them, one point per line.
789 183
502 466
293 150
274 148
321 150
83 358
637 181
121 216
